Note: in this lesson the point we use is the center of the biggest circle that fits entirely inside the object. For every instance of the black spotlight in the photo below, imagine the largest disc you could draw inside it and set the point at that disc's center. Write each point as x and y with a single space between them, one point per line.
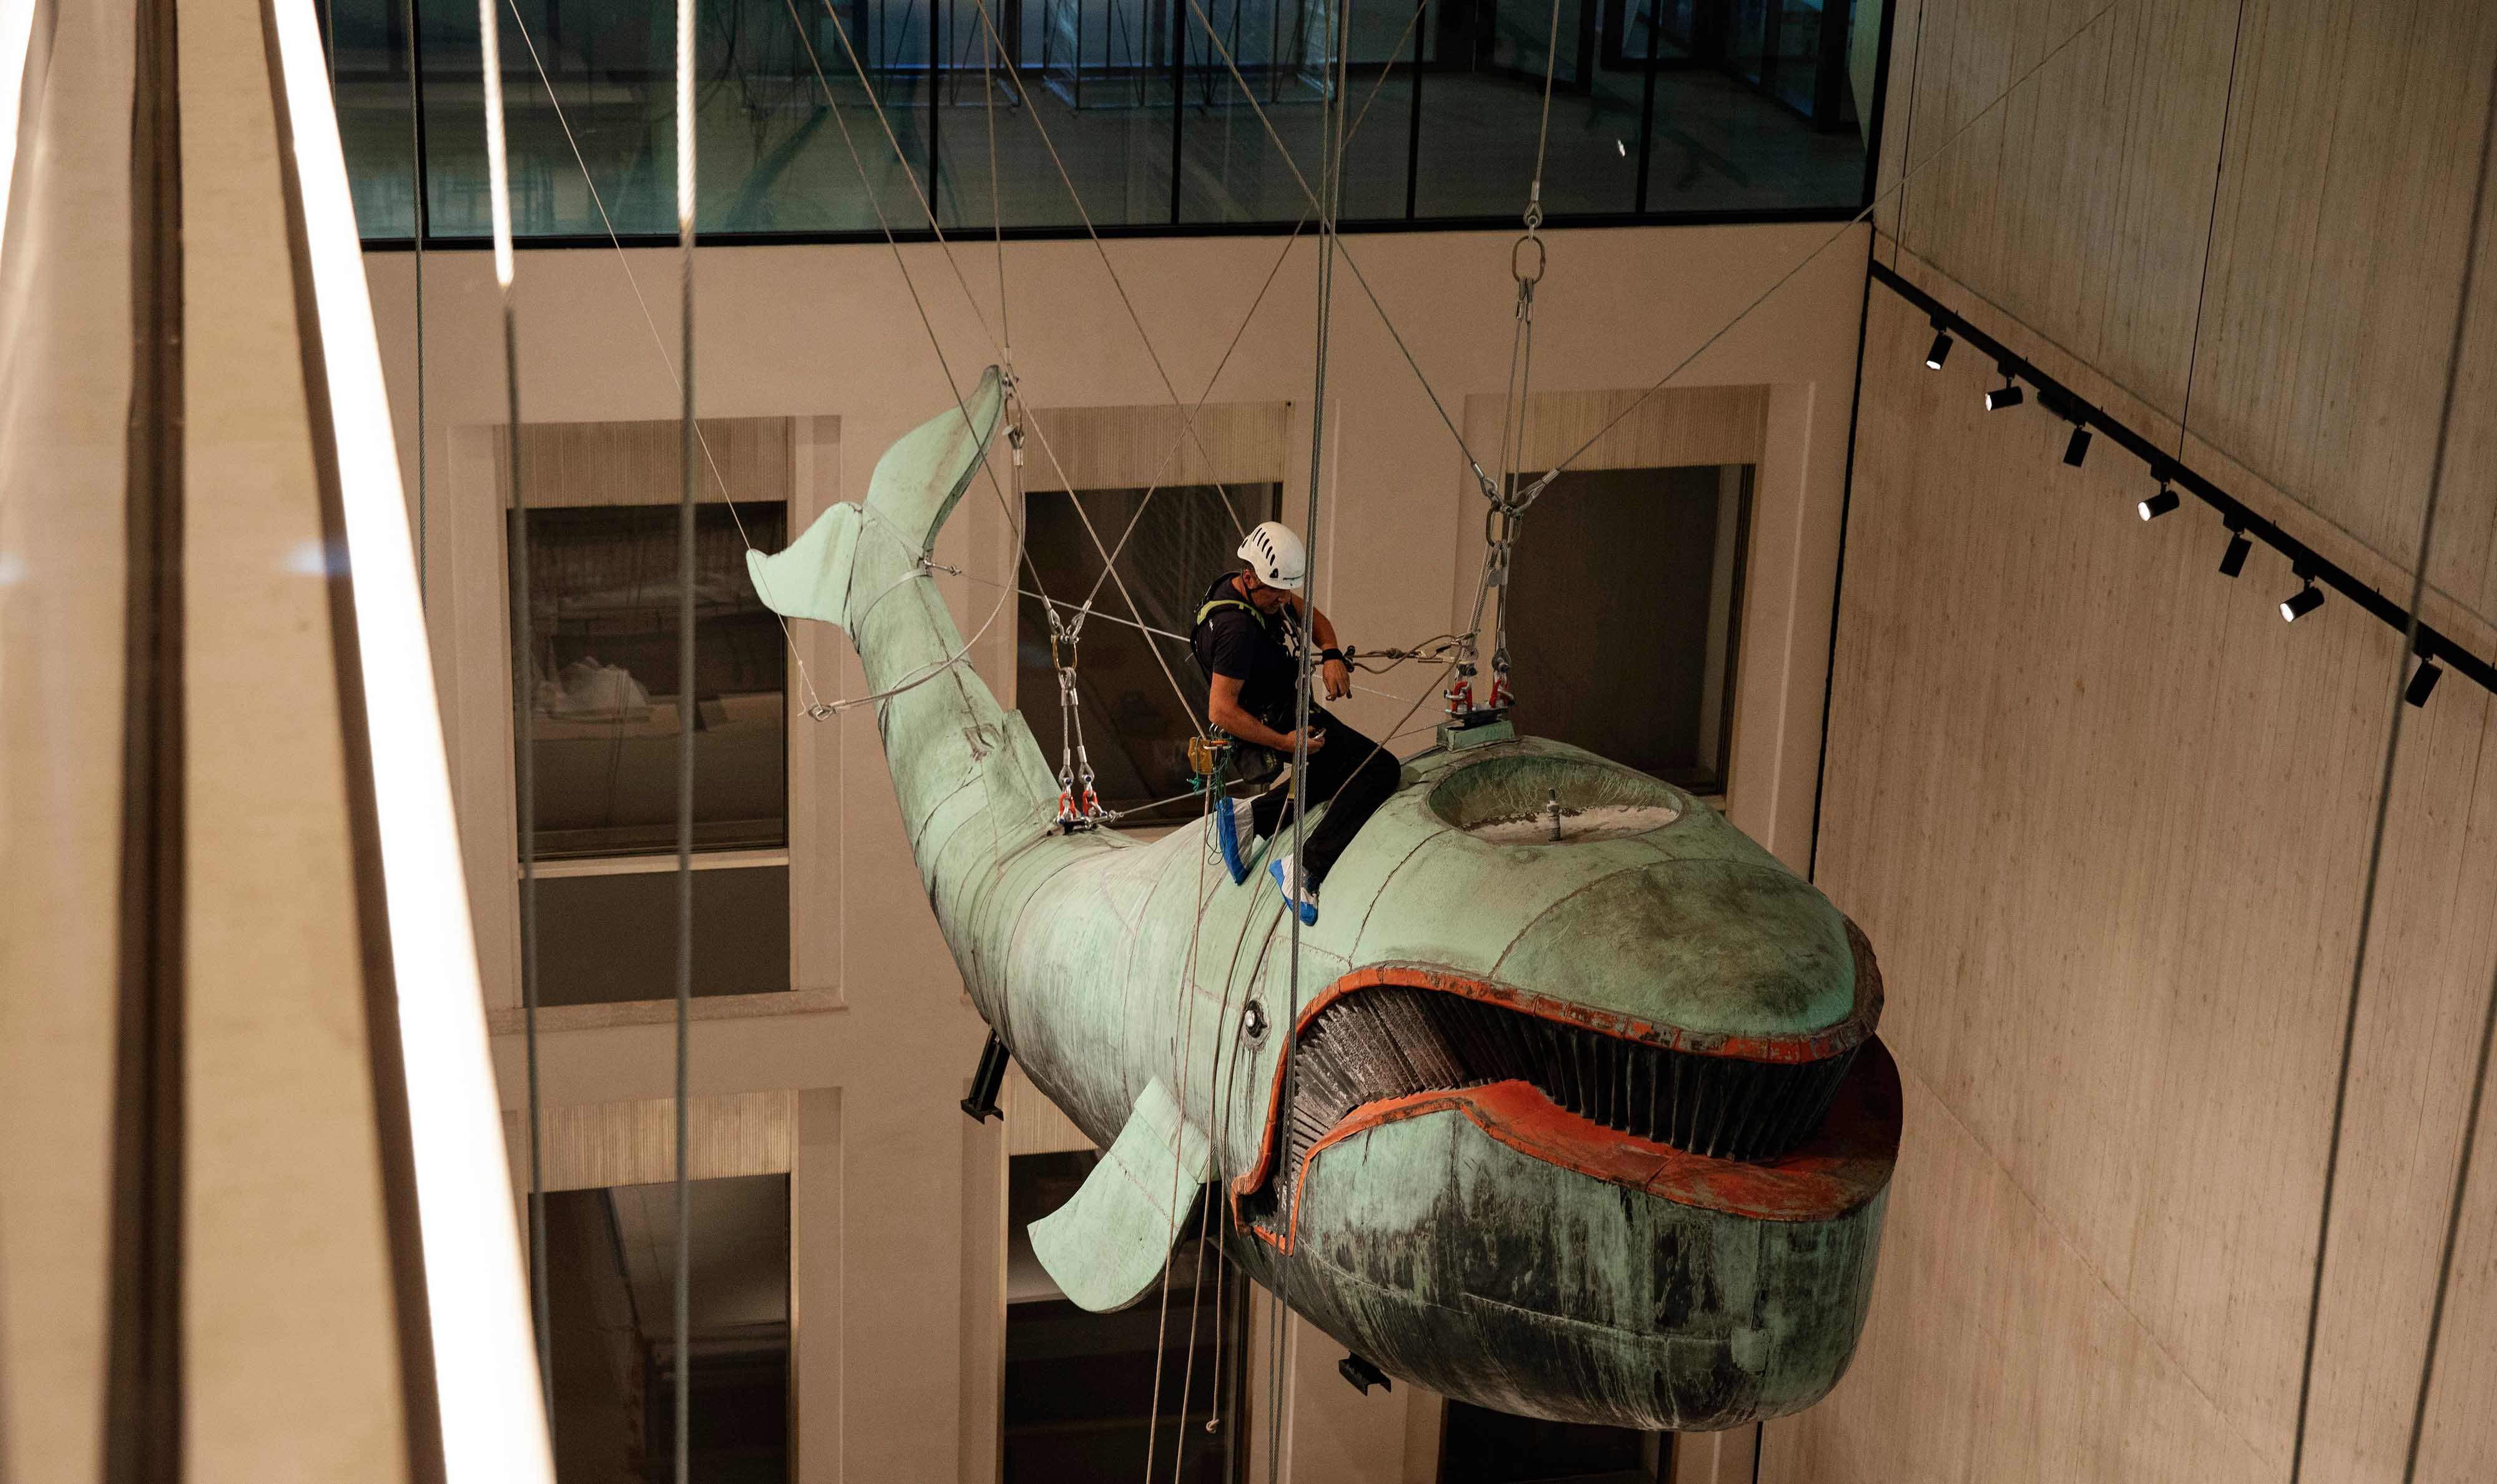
2233 561
1940 352
2423 683
2079 448
2008 395
2304 601
2159 504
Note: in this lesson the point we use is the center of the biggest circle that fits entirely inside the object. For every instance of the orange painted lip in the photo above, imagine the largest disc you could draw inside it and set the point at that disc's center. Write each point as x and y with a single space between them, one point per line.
1838 1169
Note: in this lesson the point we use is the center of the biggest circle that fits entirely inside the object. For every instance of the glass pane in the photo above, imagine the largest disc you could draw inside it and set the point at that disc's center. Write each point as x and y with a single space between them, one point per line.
604 662
1482 109
1235 170
368 60
1135 729
612 939
611 1271
1090 114
1079 1394
1651 561
1795 46
1755 108
1720 145
773 153
1747 36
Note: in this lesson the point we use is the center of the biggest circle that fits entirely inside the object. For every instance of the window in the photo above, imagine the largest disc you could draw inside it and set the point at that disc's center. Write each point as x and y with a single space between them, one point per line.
1674 107
1080 1397
1135 728
603 668
611 1276
604 722
1624 615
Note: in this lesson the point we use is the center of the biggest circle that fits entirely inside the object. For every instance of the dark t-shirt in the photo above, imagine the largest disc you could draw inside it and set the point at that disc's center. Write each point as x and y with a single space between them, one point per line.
1248 647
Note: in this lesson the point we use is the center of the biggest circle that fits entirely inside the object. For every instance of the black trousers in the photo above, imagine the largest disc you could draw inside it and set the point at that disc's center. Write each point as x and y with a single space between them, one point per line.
1352 776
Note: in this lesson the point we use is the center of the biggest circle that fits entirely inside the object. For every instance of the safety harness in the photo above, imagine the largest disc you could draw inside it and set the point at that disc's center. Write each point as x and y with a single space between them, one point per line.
1210 759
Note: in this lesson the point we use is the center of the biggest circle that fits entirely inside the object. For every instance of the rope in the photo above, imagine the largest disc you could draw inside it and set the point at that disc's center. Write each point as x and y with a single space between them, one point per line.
1311 194
988 22
1516 393
1172 452
1535 489
1178 1136
1271 274
1022 549
524 769
806 682
1331 173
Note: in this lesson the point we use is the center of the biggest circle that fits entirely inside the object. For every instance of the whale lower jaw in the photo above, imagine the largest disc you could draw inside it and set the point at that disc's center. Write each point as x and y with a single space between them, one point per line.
1631 1112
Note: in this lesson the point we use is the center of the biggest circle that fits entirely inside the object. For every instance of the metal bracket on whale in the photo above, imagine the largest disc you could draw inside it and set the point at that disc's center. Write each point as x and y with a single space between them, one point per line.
1593 1128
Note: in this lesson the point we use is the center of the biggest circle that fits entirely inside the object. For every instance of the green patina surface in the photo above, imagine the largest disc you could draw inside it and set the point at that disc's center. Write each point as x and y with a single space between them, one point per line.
1113 967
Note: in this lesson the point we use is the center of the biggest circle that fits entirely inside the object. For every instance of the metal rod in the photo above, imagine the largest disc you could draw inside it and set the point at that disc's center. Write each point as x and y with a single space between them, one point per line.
687 704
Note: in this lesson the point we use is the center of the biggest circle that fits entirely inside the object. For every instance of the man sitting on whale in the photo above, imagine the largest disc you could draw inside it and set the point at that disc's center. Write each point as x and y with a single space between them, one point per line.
1243 642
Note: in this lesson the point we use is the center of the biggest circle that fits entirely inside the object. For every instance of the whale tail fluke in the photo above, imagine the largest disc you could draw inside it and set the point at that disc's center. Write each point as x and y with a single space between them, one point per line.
920 478
810 578
916 485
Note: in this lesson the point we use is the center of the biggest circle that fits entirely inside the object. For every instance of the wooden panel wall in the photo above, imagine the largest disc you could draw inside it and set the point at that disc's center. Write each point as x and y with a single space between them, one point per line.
589 1145
1134 448
1632 429
639 462
2252 219
2107 818
2079 206
2336 265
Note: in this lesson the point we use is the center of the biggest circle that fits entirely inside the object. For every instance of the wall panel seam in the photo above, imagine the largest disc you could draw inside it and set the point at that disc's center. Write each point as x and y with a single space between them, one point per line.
2064 1239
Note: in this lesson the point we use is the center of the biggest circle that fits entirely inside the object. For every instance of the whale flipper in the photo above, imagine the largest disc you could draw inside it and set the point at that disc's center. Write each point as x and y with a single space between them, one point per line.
1106 1247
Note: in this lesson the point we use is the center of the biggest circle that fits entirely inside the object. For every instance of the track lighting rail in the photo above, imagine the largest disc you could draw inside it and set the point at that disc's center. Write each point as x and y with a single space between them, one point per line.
2433 646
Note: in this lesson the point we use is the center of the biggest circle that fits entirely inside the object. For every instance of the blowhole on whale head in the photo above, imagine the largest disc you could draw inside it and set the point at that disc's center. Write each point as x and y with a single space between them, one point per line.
1539 799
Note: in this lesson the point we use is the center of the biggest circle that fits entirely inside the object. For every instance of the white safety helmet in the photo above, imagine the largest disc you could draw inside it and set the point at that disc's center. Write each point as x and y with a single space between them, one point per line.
1275 555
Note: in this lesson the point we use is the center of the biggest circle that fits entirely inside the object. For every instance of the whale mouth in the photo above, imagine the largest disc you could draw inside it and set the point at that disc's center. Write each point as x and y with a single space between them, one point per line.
1382 1043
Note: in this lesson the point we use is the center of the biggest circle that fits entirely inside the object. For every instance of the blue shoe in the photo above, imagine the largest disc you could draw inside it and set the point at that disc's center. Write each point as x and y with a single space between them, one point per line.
1287 874
1226 833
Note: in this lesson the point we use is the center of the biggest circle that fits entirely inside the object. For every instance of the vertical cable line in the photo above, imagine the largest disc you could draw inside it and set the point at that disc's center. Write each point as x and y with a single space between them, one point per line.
1331 180
416 161
523 697
685 704
2375 865
143 1397
2488 1014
